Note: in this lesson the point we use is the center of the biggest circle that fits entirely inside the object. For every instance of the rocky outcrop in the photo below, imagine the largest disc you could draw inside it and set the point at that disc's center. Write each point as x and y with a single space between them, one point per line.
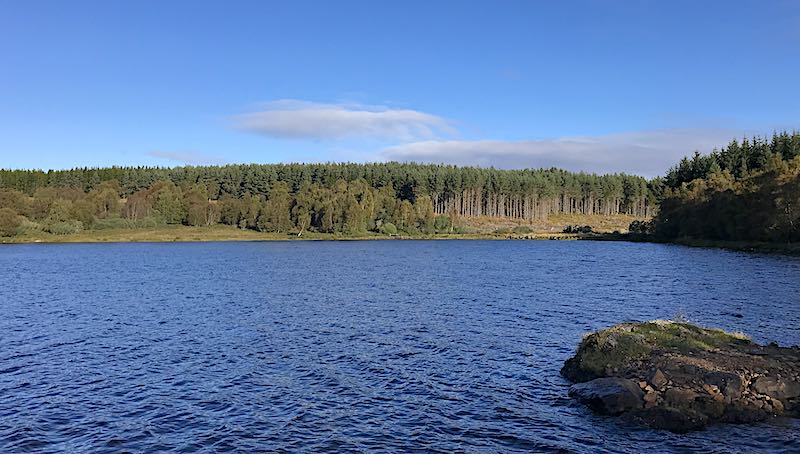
681 377
611 395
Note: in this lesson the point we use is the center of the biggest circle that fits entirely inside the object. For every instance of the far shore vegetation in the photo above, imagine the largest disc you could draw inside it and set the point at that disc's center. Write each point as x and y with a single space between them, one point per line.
745 196
485 228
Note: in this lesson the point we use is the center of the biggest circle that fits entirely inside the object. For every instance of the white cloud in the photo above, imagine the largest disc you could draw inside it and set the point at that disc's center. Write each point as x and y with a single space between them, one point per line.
305 120
647 153
186 157
423 137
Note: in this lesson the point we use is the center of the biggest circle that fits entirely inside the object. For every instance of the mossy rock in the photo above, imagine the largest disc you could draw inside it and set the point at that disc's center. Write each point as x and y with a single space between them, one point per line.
624 344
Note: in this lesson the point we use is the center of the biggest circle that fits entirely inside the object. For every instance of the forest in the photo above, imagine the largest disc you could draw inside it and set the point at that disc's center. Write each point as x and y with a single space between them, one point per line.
345 198
748 191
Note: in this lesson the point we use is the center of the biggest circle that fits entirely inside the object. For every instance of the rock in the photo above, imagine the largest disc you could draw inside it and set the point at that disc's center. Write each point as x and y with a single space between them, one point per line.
680 377
650 400
657 379
709 406
672 419
610 395
679 397
689 369
729 384
743 412
776 388
575 372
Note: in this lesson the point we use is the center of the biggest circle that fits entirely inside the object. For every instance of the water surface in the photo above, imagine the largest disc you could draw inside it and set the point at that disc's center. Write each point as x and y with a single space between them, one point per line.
353 346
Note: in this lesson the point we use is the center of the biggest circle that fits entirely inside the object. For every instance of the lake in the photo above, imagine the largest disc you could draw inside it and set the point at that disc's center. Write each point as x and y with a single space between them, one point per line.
362 346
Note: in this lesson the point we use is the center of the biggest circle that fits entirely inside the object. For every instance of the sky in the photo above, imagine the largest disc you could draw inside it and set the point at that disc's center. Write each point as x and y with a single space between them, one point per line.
595 86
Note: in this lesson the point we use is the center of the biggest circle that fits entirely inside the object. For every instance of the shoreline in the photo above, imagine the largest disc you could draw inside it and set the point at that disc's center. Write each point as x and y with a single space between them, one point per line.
187 234
754 247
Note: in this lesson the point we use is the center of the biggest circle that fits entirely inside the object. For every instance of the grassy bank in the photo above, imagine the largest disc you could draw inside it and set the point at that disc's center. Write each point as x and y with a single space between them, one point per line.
471 228
180 233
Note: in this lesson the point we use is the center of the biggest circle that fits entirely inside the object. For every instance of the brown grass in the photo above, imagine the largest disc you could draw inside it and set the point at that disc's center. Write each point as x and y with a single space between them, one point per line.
553 224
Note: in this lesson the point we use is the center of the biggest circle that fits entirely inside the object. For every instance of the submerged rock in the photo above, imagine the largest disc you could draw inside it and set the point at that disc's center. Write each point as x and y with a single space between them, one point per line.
681 377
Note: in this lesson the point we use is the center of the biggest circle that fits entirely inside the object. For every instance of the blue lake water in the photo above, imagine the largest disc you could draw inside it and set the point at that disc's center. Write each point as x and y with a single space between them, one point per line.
393 346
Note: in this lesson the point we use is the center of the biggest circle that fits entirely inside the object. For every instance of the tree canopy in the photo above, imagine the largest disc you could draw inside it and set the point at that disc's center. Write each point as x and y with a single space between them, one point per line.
337 198
748 191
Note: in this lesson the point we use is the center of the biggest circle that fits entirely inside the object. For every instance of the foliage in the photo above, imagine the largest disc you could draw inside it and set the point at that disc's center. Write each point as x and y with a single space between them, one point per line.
739 160
443 224
468 191
746 192
577 229
640 227
388 229
64 227
750 190
10 222
123 223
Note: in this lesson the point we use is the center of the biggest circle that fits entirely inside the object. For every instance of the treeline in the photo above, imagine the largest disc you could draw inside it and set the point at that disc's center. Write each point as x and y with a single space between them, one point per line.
748 191
740 160
347 208
336 198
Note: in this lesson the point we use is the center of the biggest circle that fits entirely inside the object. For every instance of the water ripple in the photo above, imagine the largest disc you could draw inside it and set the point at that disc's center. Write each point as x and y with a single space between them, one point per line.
446 346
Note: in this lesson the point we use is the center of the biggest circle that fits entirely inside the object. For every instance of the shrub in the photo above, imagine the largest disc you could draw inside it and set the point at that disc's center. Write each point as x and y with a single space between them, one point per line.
578 229
10 222
122 223
640 227
65 227
387 228
522 229
442 223
29 226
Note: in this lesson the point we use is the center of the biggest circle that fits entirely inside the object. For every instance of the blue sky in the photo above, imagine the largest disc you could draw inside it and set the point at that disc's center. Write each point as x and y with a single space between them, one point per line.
598 86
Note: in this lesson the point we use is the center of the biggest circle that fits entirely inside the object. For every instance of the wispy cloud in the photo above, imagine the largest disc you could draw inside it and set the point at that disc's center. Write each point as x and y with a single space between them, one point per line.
296 119
423 137
647 153
186 157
